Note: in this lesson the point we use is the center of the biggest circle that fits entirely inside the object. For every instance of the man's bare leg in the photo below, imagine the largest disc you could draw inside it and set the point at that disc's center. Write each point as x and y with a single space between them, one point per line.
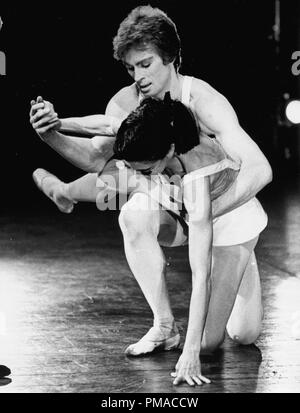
244 325
230 266
142 223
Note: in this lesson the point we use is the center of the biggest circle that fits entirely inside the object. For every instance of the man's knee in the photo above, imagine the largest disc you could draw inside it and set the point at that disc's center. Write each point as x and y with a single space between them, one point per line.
139 217
245 337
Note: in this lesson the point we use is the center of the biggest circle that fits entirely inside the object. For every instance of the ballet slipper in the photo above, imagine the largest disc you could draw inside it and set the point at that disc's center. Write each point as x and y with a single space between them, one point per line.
54 189
154 340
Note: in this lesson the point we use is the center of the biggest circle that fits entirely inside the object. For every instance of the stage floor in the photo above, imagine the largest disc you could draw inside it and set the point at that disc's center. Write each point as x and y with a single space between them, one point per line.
69 306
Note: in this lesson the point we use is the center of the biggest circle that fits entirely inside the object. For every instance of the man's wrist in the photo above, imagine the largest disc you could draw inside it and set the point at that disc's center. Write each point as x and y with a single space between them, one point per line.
63 124
43 136
47 135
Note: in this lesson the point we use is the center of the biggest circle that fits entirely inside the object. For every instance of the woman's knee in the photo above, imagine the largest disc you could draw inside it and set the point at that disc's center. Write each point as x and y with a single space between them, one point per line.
138 217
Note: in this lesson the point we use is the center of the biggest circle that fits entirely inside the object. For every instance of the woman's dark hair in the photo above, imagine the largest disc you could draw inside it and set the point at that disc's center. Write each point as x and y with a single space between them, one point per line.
147 25
148 132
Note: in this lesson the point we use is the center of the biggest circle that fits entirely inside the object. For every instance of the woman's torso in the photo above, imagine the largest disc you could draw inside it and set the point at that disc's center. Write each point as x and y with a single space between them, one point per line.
206 159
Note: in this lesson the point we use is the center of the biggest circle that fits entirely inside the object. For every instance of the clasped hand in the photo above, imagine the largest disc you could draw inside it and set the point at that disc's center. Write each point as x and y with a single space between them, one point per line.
43 116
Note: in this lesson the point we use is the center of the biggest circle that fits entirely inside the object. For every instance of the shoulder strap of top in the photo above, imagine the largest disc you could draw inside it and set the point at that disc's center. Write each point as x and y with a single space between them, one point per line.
211 169
186 90
181 163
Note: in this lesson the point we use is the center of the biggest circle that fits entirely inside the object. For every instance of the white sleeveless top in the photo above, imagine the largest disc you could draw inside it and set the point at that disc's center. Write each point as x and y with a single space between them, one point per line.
186 90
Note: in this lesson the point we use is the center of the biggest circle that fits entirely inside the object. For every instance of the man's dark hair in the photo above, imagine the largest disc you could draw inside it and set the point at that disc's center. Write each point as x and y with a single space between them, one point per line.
148 132
146 26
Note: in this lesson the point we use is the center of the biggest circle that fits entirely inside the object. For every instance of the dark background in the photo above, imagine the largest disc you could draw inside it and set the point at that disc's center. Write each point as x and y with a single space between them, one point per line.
63 52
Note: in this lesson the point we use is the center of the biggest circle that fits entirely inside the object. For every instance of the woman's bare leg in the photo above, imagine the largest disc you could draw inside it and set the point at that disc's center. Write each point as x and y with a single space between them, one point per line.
65 195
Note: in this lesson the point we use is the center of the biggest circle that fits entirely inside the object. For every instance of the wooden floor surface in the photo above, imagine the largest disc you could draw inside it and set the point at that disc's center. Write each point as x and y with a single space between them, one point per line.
69 306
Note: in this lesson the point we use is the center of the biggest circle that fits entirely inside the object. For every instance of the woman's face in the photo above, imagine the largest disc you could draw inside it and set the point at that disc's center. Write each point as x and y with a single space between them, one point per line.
152 167
148 167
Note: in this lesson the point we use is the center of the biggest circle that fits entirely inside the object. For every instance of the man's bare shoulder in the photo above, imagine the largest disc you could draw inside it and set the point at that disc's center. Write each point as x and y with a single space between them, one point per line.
203 92
212 109
126 98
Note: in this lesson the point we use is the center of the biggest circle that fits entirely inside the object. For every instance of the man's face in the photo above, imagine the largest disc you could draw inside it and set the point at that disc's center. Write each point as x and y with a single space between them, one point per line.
148 70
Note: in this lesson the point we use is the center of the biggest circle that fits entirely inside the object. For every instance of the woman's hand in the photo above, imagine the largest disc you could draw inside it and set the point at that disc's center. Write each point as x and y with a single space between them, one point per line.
188 369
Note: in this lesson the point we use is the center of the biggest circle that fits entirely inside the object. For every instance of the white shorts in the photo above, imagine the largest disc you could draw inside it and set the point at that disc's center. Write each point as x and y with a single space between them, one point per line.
240 225
236 227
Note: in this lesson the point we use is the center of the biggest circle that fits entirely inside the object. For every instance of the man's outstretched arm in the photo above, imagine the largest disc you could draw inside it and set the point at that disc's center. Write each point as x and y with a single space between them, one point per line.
85 125
84 153
89 125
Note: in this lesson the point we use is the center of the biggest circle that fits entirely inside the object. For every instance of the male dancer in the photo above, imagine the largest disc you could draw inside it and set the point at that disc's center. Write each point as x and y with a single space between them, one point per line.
153 62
